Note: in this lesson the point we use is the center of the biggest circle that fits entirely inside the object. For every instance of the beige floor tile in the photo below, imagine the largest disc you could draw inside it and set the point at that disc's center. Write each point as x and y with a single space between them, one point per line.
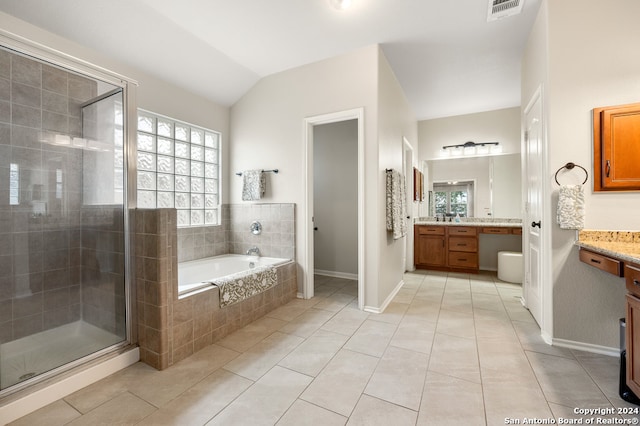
335 302
302 413
346 322
57 413
374 412
455 323
405 295
251 334
414 334
568 414
314 353
489 302
339 386
262 357
487 328
288 312
125 409
307 323
503 359
266 401
513 399
457 302
162 386
399 377
392 314
565 382
448 401
531 340
102 391
455 356
431 293
604 370
424 309
371 338
483 287
202 402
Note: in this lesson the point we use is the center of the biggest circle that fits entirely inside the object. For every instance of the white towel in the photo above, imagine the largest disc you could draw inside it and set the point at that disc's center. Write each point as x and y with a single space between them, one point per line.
396 205
253 185
571 207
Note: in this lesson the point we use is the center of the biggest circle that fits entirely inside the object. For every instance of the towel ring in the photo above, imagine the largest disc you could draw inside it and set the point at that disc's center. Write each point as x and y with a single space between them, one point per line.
570 166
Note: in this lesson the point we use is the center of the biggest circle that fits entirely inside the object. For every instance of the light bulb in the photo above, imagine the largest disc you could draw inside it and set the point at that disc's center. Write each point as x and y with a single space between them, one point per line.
341 4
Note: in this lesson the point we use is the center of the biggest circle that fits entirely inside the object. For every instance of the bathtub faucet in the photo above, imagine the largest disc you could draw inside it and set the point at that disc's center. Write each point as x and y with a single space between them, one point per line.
253 251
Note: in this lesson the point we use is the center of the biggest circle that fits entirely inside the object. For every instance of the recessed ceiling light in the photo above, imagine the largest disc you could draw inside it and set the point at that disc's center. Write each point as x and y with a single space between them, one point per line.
341 4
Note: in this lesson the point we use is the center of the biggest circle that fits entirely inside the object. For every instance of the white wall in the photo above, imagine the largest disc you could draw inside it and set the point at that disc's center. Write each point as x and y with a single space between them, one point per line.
396 122
501 125
267 131
589 64
335 170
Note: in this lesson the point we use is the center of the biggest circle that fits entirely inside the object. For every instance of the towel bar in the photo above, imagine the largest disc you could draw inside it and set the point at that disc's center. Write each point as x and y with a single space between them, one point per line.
265 171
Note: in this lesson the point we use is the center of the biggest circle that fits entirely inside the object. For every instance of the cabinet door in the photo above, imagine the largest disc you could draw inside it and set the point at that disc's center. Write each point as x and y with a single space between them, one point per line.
633 343
430 250
617 148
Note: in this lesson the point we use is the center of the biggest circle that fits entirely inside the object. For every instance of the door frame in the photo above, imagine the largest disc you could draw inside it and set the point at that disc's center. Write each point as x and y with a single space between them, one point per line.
407 164
307 218
546 284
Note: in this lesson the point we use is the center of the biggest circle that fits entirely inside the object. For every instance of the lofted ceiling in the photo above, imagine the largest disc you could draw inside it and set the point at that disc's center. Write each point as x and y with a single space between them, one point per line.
448 59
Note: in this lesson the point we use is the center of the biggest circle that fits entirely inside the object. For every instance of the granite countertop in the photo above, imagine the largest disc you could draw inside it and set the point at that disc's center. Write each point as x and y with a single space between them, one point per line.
472 221
622 245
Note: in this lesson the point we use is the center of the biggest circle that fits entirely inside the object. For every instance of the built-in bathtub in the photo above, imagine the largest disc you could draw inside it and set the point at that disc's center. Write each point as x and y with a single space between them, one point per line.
200 274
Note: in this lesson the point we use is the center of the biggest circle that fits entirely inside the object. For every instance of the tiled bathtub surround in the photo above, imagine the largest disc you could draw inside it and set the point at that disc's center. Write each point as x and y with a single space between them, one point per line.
171 329
233 235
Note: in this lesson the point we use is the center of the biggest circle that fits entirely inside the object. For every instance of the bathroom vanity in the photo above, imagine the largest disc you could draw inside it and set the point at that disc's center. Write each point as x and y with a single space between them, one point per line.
618 253
452 246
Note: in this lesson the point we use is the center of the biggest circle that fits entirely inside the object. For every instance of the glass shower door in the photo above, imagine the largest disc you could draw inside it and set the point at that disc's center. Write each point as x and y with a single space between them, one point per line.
62 225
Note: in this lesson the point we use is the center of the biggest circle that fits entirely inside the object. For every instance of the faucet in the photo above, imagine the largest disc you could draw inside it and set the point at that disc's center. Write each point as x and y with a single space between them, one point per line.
255 251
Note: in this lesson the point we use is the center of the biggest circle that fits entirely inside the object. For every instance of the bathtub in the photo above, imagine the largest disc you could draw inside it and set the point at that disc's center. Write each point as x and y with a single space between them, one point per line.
198 274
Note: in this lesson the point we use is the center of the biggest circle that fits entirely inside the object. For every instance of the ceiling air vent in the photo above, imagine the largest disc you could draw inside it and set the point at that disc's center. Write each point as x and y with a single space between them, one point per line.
499 9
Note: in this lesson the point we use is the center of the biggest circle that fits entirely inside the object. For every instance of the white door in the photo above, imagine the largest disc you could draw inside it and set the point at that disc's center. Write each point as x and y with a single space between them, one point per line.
407 258
532 290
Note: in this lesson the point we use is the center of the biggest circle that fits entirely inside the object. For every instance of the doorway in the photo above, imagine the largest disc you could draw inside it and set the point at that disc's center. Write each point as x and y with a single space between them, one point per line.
312 222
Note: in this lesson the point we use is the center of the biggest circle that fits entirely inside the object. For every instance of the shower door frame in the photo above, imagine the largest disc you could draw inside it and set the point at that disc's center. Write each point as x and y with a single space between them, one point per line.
39 52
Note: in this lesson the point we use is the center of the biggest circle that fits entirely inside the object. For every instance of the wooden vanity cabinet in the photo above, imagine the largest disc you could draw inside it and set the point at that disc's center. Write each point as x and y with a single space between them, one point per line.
463 247
430 248
616 148
632 274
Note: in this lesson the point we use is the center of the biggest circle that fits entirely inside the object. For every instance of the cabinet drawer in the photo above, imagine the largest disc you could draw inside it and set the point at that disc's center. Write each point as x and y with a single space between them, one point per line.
496 230
632 278
463 260
463 244
599 261
430 230
463 230
516 231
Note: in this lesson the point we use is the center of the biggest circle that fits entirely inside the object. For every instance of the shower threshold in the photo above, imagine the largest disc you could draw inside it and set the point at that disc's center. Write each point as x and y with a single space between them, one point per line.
38 353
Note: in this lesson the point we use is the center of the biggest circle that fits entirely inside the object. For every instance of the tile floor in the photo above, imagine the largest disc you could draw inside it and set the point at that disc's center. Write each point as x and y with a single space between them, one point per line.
451 349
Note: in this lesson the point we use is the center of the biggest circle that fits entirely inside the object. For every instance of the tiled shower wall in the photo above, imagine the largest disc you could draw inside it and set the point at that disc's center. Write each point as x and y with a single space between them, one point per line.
40 238
234 236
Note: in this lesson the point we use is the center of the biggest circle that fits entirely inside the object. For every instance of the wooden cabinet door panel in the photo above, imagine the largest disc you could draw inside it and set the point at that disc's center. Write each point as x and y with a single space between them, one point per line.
633 343
431 250
617 148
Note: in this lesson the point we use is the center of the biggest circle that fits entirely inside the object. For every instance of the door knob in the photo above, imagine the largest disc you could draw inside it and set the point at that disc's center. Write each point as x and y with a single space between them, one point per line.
534 224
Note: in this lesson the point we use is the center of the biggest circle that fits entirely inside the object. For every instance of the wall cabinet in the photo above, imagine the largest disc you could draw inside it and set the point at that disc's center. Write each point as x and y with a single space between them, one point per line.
616 148
632 273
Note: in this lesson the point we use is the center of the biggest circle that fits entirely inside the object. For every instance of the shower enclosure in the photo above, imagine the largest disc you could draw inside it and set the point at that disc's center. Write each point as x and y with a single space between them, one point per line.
63 230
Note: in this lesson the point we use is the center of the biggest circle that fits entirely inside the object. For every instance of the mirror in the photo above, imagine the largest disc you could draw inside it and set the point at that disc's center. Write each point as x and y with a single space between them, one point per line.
496 182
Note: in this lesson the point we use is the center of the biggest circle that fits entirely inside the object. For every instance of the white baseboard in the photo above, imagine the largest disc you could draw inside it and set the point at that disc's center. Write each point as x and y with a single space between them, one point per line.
587 347
334 274
21 407
300 295
376 310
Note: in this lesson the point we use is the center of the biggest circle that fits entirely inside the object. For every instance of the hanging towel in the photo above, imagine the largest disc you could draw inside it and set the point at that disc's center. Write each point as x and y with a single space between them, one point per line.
396 204
571 207
253 185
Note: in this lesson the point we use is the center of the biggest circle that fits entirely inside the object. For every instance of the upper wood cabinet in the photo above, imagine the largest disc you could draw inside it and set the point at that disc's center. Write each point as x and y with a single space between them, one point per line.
616 148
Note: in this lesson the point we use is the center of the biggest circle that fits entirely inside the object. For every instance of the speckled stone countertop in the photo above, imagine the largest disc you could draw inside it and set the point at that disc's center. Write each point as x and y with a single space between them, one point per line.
472 221
622 245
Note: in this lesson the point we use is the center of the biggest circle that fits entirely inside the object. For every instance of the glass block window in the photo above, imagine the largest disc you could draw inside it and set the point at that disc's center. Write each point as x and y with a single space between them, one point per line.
178 166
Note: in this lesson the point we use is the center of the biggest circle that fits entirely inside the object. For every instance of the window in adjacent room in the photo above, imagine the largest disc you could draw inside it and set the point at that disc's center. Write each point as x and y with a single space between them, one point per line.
453 198
178 166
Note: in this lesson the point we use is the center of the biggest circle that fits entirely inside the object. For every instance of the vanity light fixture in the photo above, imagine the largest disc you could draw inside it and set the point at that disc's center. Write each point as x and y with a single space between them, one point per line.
341 4
471 148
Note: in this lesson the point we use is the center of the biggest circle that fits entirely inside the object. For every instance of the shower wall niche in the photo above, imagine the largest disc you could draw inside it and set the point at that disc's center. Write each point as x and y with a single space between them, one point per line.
62 234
